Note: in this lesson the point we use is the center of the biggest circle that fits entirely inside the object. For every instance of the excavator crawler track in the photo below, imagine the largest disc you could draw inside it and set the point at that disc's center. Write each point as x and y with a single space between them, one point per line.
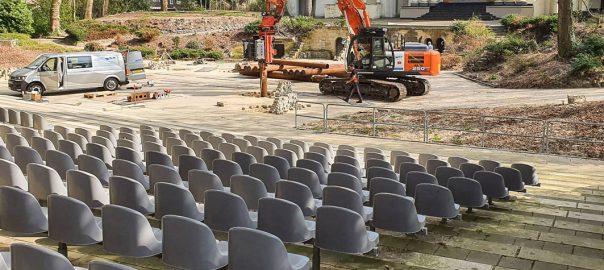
387 89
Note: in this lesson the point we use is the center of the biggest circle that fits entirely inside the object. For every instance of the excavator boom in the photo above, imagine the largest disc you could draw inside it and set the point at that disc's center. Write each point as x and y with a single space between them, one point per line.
355 14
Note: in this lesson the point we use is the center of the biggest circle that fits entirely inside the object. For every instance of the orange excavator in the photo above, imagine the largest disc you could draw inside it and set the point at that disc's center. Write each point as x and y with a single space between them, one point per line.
385 73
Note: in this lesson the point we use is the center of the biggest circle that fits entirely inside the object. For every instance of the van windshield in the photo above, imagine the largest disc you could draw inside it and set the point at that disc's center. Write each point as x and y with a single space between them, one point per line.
36 63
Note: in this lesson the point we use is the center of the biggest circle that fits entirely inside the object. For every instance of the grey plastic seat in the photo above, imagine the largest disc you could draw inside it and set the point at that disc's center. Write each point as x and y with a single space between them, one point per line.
20 212
78 139
243 144
190 138
164 174
44 181
149 137
489 165
127 232
133 137
467 192
342 230
105 265
109 129
372 150
202 180
318 157
130 193
13 140
407 167
71 148
190 244
528 172
299 194
288 155
171 199
457 161
385 185
347 147
40 123
187 163
215 141
281 164
469 169
257 250
323 151
129 144
182 133
348 181
493 185
146 127
11 175
71 222
376 156
130 170
5 154
268 174
416 178
157 158
5 130
108 135
224 210
228 149
205 134
324 145
379 172
28 133
277 142
14 117
199 145
95 167
53 136
131 155
225 169
346 153
268 146
25 155
87 134
250 189
104 142
86 188
444 173
244 160
27 119
33 257
347 160
396 153
252 139
423 158
433 164
60 162
285 220
435 201
258 152
315 167
180 150
41 145
346 198
370 163
101 152
209 155
298 150
308 178
3 115
396 213
346 168
512 178
155 147
171 142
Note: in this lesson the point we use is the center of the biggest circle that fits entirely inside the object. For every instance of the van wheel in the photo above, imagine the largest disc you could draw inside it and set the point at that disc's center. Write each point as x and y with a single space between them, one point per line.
35 87
111 84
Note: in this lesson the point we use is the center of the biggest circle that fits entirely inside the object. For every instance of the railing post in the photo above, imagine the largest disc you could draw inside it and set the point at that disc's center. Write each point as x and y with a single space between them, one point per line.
545 146
296 115
426 125
482 130
373 130
325 117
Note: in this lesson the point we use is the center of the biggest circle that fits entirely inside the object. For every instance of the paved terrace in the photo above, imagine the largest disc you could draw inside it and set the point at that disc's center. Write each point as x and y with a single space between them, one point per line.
557 226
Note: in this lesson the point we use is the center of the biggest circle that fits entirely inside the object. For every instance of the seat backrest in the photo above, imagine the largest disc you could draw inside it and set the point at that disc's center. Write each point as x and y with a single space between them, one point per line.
416 178
251 189
190 138
53 136
86 188
127 232
315 167
288 155
394 154
25 155
369 163
205 135
489 165
492 184
202 180
228 137
433 164
346 153
318 157
252 139
294 148
225 169
84 133
108 135
297 193
182 133
243 144
457 161
269 147
444 173
189 162
434 200
281 164
466 191
278 142
343 197
180 150
41 145
379 172
165 174
20 212
228 149
469 169
512 178
283 219
70 148
171 199
372 150
70 221
385 185
323 151
13 140
40 123
377 156
308 178
94 166
244 160
302 145
102 152
152 158
254 249
394 212
345 180
258 152
43 181
105 265
215 141
32 257
5 154
268 174
129 193
224 210
341 230
528 172
155 147
423 158
407 167
11 175
209 155
78 139
130 170
346 168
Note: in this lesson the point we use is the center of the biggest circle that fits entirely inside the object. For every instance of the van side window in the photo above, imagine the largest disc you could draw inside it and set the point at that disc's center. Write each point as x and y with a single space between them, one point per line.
50 65
79 62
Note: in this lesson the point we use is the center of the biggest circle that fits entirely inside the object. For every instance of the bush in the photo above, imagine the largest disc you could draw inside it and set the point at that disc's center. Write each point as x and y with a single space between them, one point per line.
189 54
15 17
24 41
93 30
93 47
258 6
252 28
591 45
147 34
517 22
511 45
176 41
41 16
472 28
584 63
146 51
300 25
193 44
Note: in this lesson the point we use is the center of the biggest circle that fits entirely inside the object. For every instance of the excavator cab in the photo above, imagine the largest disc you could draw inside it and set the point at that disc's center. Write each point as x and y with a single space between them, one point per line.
371 51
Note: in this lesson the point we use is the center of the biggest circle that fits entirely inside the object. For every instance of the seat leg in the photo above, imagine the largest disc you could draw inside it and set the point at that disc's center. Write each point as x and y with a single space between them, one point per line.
469 210
316 258
491 201
424 231
444 221
375 252
62 249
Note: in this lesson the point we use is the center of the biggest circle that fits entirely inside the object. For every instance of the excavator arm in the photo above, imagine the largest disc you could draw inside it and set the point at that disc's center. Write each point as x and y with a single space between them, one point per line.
355 14
271 16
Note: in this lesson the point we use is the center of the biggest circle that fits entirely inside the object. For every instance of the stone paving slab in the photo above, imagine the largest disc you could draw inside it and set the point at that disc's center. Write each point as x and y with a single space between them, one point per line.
560 258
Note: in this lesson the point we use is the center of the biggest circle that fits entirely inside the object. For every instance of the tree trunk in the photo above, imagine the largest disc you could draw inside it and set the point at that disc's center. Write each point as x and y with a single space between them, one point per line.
566 33
313 8
308 7
105 9
88 11
55 16
73 10
164 5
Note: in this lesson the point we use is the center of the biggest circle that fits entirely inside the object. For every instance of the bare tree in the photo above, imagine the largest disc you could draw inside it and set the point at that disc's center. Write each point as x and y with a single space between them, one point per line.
308 7
566 33
88 11
313 9
55 16
164 5
105 9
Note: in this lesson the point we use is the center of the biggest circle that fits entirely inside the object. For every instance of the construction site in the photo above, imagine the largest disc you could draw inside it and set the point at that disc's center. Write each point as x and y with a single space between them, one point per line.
449 162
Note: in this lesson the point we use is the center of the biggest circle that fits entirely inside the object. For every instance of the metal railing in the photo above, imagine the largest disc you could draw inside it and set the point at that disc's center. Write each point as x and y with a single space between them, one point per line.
483 131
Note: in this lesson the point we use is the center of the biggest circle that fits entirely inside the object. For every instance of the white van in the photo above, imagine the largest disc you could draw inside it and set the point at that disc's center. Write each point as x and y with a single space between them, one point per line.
75 71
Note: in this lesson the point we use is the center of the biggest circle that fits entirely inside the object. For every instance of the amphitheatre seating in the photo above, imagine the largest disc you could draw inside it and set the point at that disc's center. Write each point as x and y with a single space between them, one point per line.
396 213
299 194
130 170
379 172
423 158
285 220
268 174
53 136
200 181
127 232
348 181
41 145
104 154
346 198
416 178
163 174
126 192
95 167
250 189
171 199
11 175
186 163
224 210
346 168
385 185
87 188
209 155
31 257
280 163
435 201
105 265
244 160
315 167
528 172
44 181
347 160
288 155
469 169
308 178
370 163
407 167
489 165
225 169
25 155
457 161
60 162
512 178
467 192
21 213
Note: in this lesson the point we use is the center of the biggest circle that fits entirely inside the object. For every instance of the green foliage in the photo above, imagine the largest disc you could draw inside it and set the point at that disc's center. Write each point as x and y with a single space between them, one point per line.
258 5
176 41
511 45
15 17
517 22
472 28
589 55
94 30
190 5
252 28
193 44
584 63
94 47
592 45
41 15
24 41
300 25
146 51
122 6
147 33
189 54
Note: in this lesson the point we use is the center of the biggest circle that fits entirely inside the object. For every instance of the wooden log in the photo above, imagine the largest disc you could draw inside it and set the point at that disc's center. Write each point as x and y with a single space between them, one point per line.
300 63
